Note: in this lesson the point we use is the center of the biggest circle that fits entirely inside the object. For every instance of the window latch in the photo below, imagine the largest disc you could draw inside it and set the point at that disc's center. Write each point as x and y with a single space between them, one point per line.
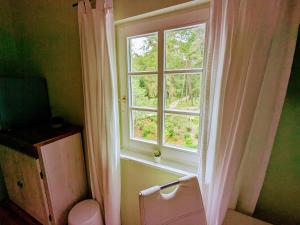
124 99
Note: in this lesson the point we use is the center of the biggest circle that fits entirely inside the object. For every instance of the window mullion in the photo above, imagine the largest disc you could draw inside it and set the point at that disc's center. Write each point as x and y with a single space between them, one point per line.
184 71
147 109
129 106
142 73
182 112
160 87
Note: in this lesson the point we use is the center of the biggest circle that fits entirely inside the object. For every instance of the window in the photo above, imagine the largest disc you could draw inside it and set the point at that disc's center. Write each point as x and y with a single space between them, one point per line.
161 71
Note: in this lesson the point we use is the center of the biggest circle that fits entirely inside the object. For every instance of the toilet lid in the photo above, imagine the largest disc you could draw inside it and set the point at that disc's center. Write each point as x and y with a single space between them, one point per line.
84 212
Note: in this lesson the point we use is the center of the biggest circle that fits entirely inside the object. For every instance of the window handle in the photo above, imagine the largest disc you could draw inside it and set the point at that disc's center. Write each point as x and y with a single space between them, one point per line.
124 99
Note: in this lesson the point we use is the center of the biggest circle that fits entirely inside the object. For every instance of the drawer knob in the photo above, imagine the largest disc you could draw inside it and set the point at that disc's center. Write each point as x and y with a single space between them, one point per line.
20 184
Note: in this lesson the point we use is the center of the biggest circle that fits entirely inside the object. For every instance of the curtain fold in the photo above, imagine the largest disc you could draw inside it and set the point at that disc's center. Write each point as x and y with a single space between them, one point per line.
99 77
250 51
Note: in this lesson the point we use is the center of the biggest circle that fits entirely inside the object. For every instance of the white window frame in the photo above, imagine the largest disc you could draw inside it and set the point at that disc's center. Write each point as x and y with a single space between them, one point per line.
157 24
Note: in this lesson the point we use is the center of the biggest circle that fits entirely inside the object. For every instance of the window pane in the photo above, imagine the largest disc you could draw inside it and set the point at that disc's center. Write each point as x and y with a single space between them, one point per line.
144 90
143 53
185 47
181 130
183 91
144 125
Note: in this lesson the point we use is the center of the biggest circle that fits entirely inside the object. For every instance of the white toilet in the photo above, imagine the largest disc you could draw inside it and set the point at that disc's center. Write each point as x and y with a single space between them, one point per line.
86 212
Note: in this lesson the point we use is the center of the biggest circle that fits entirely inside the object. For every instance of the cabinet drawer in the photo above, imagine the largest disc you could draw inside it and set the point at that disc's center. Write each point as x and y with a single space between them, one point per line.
23 182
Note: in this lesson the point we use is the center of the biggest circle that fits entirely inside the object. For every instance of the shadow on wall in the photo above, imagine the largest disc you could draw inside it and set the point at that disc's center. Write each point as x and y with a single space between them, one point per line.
15 56
3 192
15 60
8 54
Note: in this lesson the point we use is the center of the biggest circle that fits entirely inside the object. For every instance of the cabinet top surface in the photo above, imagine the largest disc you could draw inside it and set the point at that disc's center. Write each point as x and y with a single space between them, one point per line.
28 139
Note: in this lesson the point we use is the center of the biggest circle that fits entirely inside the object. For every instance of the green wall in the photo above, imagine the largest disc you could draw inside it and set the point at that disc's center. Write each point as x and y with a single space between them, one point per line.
8 56
8 50
48 42
279 201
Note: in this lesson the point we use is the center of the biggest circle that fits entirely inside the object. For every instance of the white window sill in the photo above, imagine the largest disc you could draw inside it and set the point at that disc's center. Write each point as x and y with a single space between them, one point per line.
163 165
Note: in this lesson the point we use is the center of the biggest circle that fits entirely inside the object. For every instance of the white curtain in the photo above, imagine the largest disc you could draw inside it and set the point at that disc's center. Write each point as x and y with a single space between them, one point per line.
102 137
250 52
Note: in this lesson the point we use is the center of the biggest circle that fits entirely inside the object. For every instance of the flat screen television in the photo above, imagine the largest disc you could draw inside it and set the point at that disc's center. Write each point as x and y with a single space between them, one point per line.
23 102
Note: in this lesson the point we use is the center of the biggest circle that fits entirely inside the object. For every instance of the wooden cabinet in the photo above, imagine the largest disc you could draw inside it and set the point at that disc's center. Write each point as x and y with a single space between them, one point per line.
24 184
46 175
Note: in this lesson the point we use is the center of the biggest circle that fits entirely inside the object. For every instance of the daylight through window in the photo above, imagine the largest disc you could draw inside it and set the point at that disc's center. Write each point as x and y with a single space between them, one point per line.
167 112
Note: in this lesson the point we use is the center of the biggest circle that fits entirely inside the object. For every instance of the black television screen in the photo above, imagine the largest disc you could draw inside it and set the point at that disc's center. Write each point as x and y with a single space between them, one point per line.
23 102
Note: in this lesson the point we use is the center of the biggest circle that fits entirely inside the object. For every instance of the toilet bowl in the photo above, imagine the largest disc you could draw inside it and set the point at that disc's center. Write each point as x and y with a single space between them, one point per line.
86 212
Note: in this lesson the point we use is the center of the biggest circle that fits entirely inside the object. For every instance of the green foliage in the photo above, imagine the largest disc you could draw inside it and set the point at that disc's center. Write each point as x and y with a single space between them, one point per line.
188 140
184 50
145 125
144 90
157 153
183 91
144 53
182 130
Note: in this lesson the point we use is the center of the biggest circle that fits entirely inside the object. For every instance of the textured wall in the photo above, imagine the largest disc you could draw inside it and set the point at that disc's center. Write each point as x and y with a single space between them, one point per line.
279 200
8 50
48 44
128 8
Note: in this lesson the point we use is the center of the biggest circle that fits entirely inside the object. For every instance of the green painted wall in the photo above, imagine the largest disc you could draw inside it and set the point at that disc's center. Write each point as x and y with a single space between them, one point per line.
48 42
8 49
279 201
8 57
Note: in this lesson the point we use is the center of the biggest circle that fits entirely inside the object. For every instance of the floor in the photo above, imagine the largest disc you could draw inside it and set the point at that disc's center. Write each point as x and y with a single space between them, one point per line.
10 214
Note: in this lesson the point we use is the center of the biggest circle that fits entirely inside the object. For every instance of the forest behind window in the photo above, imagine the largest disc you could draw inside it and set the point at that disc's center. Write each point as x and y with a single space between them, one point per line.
182 77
